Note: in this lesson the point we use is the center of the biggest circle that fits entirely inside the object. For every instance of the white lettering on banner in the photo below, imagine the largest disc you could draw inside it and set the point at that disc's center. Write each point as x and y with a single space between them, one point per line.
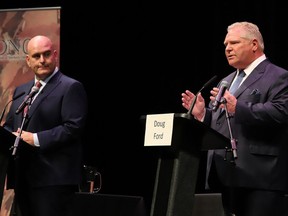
158 130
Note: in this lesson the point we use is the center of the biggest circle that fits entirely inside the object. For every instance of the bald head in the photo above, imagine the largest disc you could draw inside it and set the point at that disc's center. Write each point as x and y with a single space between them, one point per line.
39 41
41 57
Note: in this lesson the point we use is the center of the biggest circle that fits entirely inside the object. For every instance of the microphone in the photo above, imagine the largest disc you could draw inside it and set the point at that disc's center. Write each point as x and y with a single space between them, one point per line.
218 99
14 98
195 98
34 91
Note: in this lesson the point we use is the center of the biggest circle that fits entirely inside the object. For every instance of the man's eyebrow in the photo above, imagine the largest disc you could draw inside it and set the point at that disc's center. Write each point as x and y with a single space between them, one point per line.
44 53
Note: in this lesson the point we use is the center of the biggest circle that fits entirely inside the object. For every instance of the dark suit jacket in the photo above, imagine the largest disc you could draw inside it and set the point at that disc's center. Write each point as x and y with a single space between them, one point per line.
260 126
58 116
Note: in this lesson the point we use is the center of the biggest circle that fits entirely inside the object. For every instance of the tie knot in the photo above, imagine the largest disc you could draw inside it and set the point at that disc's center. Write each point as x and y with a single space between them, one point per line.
38 84
241 73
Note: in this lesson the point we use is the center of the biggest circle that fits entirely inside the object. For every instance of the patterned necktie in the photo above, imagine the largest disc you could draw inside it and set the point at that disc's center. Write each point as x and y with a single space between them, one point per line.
237 82
38 84
26 108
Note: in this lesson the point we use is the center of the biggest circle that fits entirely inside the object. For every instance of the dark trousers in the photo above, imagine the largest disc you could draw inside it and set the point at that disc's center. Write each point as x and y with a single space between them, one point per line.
248 201
253 202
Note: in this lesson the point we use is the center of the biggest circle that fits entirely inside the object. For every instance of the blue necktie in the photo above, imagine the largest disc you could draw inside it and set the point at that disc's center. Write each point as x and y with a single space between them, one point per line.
237 82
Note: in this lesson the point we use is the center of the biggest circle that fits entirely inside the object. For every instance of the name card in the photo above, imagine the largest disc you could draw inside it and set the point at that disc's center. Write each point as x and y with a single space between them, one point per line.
159 129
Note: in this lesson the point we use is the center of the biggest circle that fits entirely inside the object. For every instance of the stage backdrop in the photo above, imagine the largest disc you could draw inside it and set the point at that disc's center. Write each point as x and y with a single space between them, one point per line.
17 27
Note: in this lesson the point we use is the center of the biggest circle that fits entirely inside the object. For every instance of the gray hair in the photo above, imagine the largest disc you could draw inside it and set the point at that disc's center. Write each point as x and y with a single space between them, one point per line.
251 31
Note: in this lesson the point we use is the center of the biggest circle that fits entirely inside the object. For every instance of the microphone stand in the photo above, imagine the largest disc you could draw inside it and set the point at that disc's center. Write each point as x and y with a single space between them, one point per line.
233 141
196 95
25 116
193 103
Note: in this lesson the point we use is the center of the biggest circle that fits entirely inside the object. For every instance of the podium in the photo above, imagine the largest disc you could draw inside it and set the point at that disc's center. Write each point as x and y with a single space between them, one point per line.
178 162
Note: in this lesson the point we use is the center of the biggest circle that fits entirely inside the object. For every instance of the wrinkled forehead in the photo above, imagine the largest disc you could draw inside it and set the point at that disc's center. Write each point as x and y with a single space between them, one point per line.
235 34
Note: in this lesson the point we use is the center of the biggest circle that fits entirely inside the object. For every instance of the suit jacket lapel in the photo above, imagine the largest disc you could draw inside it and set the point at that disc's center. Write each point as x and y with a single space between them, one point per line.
253 77
48 88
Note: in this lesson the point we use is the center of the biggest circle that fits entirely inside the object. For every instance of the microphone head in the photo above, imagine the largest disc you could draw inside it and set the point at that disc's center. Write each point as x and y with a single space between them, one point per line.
35 89
224 83
218 99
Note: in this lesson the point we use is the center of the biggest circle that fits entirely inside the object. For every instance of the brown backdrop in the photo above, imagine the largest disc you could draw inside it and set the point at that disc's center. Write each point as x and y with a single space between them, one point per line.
16 28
